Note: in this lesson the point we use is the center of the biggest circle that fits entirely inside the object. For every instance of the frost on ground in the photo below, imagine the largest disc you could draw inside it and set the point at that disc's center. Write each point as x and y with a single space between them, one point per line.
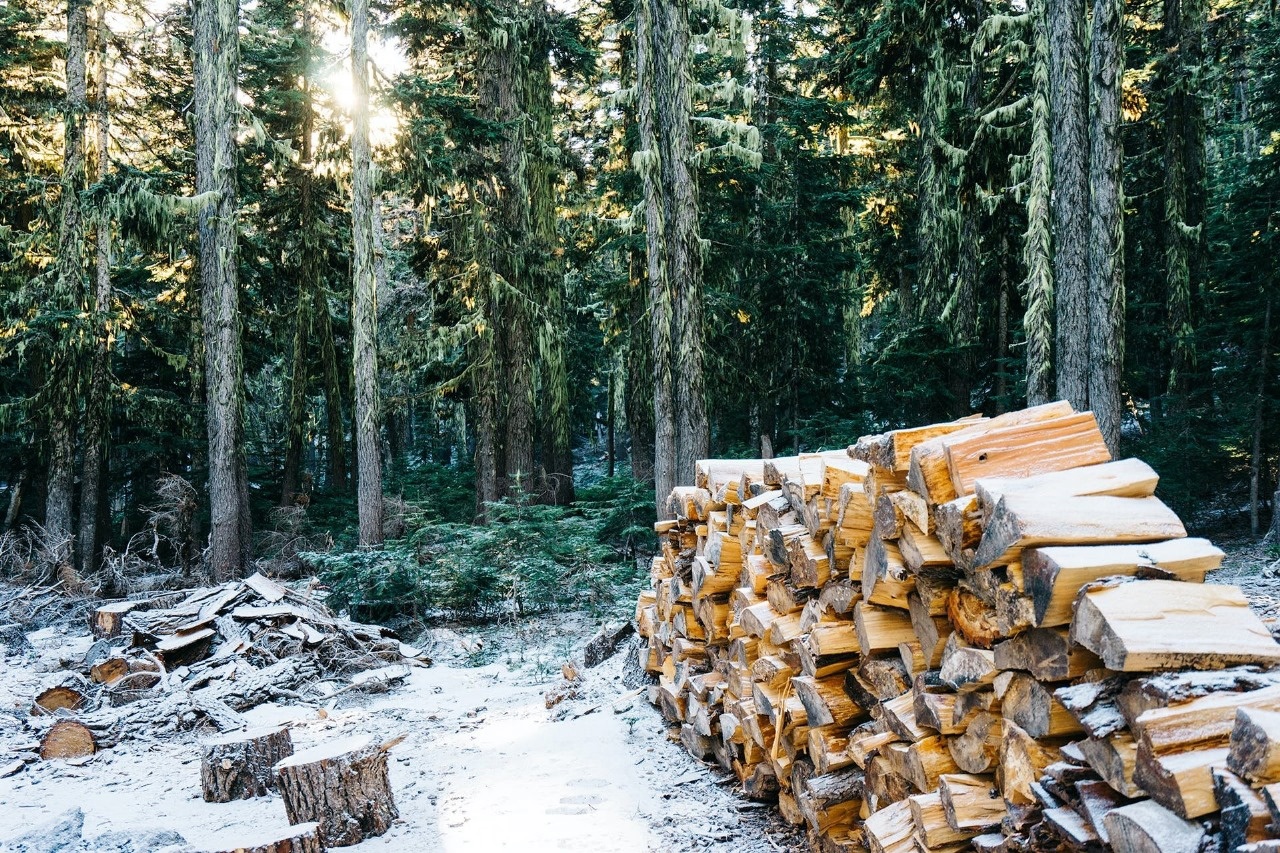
485 764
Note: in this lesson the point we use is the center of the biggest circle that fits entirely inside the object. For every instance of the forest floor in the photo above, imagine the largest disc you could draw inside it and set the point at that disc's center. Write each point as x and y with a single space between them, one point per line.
486 765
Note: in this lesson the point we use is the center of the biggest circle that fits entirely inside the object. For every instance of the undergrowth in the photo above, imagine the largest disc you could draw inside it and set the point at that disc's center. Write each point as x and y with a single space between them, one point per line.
528 559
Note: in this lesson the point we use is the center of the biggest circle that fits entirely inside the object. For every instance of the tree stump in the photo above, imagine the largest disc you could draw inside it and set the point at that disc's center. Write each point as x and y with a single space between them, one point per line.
68 739
238 765
343 785
303 838
67 691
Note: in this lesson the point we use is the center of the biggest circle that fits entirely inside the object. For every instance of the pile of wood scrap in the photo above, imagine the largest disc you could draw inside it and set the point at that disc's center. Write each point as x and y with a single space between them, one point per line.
983 634
196 659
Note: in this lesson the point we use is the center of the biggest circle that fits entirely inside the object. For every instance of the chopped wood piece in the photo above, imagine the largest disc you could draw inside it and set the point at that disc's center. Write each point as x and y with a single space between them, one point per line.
1096 799
1052 576
1166 689
967 668
342 785
302 838
1145 625
972 803
1183 781
1025 450
1255 744
881 629
1072 827
66 692
1115 759
1022 520
1244 816
1094 705
1146 827
926 760
889 829
828 800
1031 704
978 748
238 766
1022 760
1045 653
930 820
973 618
825 700
68 739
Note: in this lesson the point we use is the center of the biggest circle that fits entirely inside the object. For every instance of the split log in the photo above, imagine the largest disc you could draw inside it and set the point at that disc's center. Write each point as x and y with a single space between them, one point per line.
973 618
881 629
1046 654
1181 782
1146 625
1022 760
1025 450
829 800
1146 827
978 748
1096 800
1244 814
1115 759
302 838
1052 576
1032 705
1022 520
930 818
1166 689
972 803
238 766
889 829
926 760
68 739
1255 745
342 785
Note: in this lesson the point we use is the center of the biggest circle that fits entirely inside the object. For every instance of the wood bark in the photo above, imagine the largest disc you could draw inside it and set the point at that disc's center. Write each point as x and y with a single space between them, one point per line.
1068 107
217 59
1106 296
364 290
70 297
96 402
238 766
343 786
664 86
303 838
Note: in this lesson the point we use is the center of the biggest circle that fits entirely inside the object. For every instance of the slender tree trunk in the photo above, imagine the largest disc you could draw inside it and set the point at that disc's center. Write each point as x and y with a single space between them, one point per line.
308 283
1106 216
1069 109
335 433
1184 174
217 61
1256 459
364 289
674 253
96 404
611 405
65 374
1037 248
638 394
547 280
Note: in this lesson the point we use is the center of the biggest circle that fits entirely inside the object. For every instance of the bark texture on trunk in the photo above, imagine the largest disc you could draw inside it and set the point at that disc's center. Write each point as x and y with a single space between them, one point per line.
638 394
1257 461
1184 153
335 434
97 410
217 59
1106 221
1069 111
364 290
674 252
1037 250
70 297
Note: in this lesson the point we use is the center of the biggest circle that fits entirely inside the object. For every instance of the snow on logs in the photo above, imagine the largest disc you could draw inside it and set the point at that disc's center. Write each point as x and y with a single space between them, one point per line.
983 634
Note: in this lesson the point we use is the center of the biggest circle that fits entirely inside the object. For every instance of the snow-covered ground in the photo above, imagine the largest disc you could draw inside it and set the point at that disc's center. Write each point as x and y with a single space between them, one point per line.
485 764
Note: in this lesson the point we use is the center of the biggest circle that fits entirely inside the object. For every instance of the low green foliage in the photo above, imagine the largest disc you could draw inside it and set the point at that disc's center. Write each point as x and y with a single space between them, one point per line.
527 559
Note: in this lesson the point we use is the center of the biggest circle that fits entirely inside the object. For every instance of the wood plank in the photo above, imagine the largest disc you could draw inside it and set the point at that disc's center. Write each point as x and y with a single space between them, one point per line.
1146 625
1052 576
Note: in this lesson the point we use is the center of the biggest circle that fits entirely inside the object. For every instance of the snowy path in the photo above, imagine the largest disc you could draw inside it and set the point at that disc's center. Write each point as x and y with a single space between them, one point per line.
485 767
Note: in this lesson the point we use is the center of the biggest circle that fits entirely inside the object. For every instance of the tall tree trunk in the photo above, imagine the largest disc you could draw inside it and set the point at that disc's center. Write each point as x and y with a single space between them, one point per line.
217 61
1257 460
673 250
1184 144
1069 109
308 283
638 394
335 433
364 289
1106 220
547 280
1037 251
96 404
70 297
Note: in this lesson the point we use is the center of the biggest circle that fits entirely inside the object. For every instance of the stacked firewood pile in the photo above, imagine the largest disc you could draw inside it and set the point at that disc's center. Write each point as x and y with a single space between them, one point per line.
981 634
196 659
